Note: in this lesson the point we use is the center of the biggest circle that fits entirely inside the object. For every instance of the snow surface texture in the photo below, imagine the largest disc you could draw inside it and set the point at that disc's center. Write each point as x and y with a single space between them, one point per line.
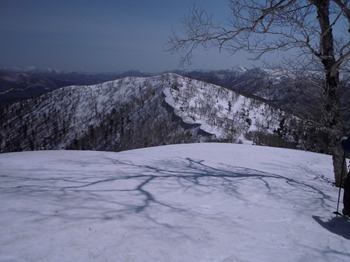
194 202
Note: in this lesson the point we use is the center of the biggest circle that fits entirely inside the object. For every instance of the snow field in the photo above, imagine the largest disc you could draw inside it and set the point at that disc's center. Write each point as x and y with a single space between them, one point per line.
194 202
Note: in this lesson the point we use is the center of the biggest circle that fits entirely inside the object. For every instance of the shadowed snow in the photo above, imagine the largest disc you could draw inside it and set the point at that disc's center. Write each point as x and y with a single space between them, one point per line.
196 202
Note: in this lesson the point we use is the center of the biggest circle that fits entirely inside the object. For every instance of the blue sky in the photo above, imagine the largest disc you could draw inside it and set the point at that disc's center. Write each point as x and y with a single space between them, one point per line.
101 35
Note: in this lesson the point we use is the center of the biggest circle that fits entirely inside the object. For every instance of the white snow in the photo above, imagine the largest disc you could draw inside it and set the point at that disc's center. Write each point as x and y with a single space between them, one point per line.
219 111
195 202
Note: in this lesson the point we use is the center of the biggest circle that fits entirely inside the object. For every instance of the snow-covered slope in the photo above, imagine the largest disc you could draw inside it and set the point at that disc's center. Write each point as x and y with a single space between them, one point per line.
136 112
220 111
195 202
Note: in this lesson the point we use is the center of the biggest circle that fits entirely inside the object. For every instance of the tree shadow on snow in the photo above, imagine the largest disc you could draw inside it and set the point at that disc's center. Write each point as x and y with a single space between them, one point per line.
131 188
337 225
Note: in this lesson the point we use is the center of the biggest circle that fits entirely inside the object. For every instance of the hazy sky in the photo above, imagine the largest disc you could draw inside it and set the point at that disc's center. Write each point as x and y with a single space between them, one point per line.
101 35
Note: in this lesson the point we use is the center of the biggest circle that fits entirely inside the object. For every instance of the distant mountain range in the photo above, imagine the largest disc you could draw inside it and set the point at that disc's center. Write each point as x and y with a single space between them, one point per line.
56 110
18 84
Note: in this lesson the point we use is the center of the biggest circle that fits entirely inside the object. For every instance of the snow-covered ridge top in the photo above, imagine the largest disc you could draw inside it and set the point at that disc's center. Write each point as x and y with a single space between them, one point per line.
219 111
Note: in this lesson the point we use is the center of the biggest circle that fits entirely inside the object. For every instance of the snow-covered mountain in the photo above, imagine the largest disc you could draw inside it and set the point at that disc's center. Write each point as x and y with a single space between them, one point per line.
178 203
136 112
291 91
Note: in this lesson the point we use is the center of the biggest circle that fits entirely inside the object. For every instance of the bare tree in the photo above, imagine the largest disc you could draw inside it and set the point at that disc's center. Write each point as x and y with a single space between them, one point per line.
314 31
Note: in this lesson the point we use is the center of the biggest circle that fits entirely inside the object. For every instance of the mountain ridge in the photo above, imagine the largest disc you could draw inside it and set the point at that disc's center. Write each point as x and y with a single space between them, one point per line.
136 112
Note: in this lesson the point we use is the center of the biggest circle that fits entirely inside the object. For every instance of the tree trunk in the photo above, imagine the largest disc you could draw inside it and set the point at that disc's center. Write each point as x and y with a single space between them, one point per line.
339 165
333 120
333 123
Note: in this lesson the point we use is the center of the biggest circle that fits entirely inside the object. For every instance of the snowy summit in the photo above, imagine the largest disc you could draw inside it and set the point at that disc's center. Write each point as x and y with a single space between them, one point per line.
194 202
